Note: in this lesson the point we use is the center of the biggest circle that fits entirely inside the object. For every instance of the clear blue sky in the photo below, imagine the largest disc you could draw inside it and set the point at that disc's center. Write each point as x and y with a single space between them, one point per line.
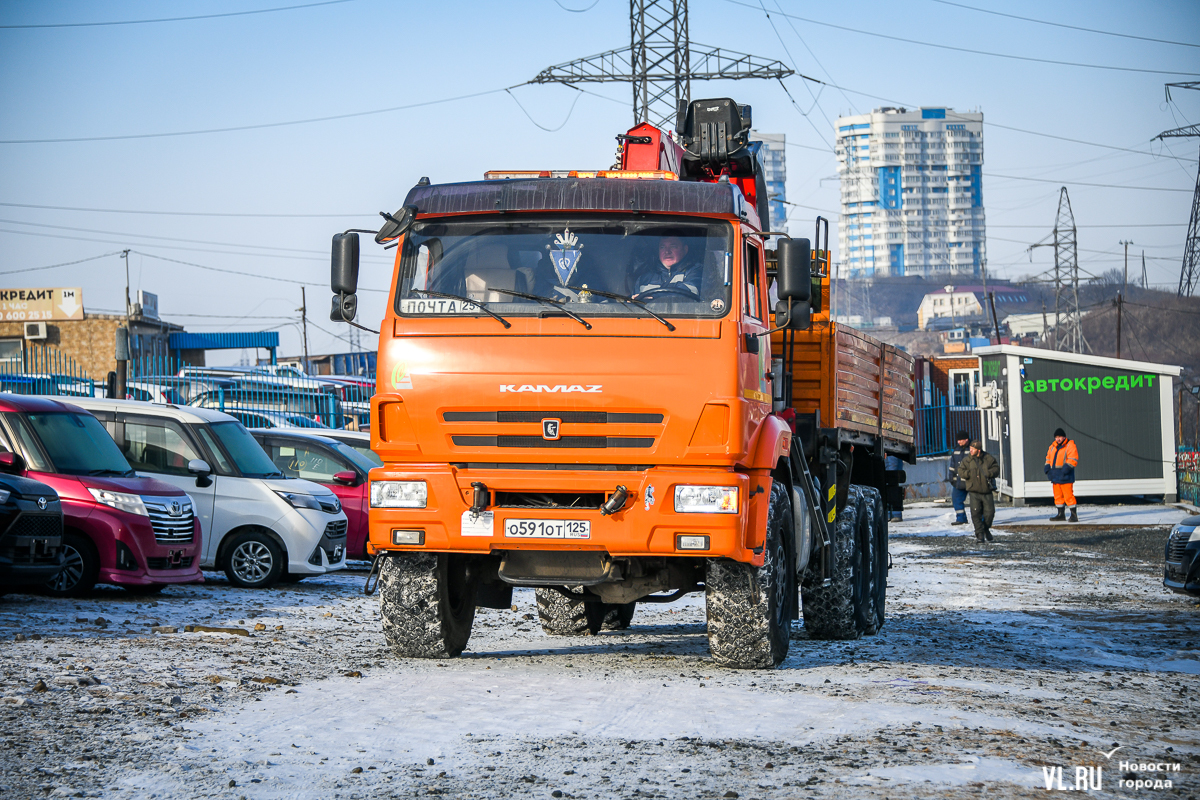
364 55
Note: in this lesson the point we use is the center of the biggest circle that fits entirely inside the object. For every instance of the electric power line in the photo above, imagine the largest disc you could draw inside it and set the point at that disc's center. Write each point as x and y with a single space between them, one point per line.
172 19
970 50
1063 25
64 264
184 213
1060 182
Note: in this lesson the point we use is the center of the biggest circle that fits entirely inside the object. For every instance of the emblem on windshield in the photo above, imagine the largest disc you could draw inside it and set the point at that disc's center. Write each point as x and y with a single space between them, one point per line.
566 256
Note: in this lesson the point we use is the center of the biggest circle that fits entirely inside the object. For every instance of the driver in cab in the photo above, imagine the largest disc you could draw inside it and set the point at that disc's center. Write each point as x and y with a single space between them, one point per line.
673 275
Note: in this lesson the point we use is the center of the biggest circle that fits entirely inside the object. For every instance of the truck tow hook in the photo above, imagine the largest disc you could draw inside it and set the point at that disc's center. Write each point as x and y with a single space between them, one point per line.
480 500
615 502
369 589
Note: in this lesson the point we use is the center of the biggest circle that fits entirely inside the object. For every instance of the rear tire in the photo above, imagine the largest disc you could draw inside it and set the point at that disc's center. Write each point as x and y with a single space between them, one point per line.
874 498
829 611
747 606
427 601
867 567
81 568
618 616
562 616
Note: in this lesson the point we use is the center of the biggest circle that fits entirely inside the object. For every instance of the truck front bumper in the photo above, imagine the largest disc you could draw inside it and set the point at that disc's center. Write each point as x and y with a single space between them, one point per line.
646 525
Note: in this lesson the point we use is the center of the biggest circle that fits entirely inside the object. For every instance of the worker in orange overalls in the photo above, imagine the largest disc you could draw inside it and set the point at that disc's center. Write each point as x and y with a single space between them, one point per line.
1061 460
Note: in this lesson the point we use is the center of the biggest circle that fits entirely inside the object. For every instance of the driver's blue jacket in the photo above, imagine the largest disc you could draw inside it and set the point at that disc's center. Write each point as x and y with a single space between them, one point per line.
685 278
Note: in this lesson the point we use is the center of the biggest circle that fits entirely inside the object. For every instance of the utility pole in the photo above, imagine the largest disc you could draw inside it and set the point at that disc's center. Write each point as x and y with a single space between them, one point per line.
123 357
1121 294
303 309
950 291
660 63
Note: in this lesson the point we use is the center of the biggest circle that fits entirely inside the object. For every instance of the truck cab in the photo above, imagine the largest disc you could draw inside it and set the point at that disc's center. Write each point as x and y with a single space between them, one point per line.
576 393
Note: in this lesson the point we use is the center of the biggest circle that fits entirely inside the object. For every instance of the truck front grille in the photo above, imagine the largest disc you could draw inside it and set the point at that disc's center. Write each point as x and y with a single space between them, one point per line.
169 529
586 442
588 417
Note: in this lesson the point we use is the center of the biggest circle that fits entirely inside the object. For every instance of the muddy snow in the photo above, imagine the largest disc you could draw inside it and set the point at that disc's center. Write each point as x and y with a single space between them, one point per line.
998 665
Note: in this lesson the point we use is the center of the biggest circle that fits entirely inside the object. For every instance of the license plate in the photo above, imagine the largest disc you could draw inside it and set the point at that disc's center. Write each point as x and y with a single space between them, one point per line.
547 528
337 553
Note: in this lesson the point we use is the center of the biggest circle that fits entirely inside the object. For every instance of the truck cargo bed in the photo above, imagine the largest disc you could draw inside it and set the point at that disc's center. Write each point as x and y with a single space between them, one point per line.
850 378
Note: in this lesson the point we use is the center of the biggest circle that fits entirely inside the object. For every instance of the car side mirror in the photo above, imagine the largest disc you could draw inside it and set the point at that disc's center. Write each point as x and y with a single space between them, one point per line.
346 478
12 463
200 468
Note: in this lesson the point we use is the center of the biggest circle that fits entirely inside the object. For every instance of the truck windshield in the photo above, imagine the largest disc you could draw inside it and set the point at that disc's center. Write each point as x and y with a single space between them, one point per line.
677 266
69 444
249 457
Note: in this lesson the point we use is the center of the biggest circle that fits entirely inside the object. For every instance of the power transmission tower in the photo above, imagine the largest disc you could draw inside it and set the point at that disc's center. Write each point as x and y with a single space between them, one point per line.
1189 274
661 63
1068 334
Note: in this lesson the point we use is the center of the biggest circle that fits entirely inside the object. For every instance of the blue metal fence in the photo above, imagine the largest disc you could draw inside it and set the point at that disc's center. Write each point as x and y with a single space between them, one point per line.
45 370
264 396
938 422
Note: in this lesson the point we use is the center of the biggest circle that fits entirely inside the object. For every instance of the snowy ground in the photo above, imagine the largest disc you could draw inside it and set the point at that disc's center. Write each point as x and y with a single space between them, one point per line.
1046 649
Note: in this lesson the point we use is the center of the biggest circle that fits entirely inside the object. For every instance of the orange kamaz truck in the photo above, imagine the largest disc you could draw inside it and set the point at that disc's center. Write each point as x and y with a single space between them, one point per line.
620 387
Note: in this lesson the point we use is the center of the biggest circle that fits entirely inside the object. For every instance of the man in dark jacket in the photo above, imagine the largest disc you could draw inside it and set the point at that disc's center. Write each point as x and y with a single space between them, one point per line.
957 493
977 471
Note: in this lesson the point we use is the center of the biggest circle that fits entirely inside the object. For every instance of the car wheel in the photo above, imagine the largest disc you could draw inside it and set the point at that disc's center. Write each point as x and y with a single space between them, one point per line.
81 567
255 561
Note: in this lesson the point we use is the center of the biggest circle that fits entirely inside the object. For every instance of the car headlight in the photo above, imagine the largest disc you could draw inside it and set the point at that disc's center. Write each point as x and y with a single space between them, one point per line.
706 499
1195 537
399 494
120 501
4 496
298 500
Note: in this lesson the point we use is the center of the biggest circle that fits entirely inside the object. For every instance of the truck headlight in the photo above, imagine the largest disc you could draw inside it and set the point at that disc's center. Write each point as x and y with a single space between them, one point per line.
120 501
398 494
706 500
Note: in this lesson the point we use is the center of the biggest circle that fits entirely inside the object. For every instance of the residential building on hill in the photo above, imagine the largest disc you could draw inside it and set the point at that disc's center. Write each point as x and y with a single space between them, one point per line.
912 193
962 303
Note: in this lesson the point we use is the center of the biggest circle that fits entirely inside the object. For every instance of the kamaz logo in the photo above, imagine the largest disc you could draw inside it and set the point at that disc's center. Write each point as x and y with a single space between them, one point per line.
558 388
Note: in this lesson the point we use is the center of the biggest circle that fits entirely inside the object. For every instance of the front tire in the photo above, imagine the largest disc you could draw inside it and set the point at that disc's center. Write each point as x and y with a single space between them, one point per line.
748 606
255 561
427 601
81 568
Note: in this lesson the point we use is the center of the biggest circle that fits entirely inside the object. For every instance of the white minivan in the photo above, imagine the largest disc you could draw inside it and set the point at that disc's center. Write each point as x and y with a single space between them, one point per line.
258 526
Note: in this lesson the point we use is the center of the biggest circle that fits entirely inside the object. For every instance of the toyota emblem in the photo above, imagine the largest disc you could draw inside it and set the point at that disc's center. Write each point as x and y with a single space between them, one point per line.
550 429
42 503
175 509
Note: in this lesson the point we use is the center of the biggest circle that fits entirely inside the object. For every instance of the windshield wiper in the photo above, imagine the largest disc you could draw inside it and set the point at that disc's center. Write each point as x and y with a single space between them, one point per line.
624 299
549 301
482 306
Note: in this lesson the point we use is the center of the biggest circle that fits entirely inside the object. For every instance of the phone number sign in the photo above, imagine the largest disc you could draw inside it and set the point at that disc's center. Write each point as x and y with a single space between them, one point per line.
22 305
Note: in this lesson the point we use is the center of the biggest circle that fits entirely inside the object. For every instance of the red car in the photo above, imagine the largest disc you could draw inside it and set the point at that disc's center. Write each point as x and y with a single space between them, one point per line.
118 528
323 460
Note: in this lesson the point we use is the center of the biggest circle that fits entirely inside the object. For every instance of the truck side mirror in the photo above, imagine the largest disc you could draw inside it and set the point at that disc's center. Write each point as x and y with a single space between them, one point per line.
343 277
793 280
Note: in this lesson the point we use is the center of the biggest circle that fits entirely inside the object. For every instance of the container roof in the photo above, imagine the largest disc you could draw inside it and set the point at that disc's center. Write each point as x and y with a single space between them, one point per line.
1078 358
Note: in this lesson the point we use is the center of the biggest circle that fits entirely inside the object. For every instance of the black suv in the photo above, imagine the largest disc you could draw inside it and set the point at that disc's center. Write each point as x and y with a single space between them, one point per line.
31 526
1182 573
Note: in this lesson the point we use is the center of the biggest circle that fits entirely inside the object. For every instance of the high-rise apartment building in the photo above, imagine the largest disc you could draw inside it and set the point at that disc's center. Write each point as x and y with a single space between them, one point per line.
912 193
775 160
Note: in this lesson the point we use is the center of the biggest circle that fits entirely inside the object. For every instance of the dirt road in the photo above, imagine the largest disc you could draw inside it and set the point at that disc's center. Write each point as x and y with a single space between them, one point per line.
998 665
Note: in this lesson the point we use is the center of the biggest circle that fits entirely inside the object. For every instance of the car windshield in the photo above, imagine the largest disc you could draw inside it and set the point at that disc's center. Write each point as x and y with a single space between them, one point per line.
305 422
677 267
366 452
75 444
247 455
354 457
